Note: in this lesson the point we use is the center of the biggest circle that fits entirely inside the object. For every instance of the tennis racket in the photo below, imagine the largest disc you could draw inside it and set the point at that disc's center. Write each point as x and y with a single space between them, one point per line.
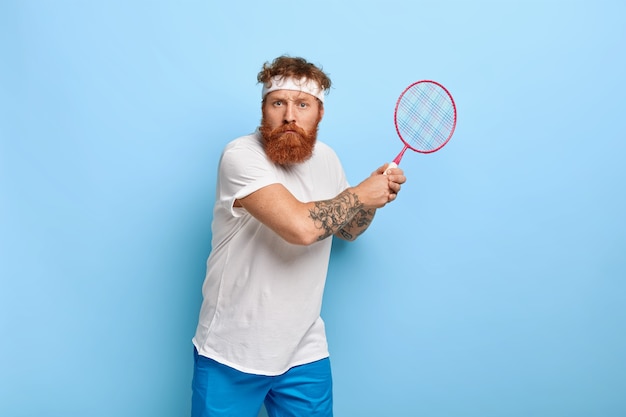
425 118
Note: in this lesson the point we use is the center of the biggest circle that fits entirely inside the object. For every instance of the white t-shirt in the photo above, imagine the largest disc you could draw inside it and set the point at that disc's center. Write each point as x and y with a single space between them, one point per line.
263 295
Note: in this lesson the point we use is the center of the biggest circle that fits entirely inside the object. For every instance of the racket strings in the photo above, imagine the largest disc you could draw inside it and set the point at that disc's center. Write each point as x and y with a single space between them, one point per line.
425 117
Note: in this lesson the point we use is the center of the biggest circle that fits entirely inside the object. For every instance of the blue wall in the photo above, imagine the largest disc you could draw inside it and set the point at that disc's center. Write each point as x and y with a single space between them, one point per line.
494 285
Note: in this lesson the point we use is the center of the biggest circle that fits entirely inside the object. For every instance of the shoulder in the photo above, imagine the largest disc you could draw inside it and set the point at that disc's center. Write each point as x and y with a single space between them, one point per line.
323 149
325 153
251 142
243 149
243 162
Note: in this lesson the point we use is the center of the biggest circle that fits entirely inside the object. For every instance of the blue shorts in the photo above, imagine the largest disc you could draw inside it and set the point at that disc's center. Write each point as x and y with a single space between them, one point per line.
302 391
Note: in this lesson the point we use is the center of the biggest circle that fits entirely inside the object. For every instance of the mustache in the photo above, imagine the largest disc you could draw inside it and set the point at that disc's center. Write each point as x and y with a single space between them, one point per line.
288 127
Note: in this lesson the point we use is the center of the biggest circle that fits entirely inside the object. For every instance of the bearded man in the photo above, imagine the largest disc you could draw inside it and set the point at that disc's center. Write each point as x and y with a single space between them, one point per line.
281 196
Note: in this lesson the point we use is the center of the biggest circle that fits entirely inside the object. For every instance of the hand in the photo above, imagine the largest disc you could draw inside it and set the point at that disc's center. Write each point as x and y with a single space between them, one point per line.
379 189
396 179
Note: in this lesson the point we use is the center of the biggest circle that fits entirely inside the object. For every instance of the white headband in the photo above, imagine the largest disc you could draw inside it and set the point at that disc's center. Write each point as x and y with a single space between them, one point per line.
289 83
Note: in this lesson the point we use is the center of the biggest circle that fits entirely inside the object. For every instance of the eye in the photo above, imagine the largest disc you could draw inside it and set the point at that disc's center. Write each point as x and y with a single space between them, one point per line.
278 103
303 105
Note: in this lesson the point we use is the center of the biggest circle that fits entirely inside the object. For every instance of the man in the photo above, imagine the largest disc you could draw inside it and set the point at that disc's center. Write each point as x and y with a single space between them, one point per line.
281 196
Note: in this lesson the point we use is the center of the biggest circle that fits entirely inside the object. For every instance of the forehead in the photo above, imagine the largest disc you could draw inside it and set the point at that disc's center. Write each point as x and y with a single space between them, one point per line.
290 95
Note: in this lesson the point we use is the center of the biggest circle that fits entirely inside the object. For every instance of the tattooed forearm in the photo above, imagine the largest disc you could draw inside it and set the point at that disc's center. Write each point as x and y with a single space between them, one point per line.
330 216
359 223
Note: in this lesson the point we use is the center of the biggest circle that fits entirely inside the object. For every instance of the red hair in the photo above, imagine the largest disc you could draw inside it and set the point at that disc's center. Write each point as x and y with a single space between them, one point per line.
286 66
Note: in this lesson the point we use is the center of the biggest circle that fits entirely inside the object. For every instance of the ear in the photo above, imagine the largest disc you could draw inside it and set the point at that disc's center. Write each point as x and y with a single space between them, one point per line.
321 112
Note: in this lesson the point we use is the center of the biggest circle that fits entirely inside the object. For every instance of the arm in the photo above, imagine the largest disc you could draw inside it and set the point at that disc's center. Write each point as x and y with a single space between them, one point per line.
348 214
362 220
357 225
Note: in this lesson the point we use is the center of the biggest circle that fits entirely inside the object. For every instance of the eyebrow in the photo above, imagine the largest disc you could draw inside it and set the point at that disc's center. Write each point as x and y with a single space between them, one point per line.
285 96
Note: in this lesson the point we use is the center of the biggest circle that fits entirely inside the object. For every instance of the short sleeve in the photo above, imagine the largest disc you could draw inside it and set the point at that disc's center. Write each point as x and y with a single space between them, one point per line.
243 169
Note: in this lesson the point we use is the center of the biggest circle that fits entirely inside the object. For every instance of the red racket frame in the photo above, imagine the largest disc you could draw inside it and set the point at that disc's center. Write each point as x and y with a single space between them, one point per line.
395 121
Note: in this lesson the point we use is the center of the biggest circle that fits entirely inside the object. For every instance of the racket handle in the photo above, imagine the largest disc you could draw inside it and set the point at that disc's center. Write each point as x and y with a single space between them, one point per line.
391 165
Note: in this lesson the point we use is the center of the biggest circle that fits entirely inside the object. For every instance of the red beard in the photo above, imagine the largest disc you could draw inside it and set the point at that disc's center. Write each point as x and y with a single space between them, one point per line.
288 144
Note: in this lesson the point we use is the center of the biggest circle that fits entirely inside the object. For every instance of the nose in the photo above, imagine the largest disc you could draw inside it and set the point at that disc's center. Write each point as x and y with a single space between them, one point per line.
289 116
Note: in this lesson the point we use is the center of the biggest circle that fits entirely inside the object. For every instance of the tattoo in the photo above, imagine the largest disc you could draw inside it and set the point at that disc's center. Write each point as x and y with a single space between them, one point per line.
359 223
332 215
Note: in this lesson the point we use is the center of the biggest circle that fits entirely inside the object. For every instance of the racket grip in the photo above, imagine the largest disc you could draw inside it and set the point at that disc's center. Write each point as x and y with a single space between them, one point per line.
391 165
